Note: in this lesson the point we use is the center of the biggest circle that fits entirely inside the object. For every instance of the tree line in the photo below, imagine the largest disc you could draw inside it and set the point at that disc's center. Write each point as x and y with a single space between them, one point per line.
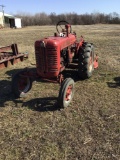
72 18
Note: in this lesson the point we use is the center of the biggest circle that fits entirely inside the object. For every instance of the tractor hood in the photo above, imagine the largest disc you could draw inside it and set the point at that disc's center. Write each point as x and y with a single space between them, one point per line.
57 41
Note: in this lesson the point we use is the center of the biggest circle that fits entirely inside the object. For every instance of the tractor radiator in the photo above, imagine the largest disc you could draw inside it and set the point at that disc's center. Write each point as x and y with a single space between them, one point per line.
47 61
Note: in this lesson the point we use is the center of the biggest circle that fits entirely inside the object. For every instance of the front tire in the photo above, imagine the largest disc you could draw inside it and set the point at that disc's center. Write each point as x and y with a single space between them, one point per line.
66 92
21 84
86 61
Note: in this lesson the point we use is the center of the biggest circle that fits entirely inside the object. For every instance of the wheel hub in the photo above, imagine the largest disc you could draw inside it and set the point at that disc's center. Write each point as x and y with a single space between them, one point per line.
68 93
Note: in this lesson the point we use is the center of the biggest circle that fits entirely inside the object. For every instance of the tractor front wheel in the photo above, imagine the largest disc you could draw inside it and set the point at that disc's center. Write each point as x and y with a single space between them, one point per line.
86 61
66 92
21 84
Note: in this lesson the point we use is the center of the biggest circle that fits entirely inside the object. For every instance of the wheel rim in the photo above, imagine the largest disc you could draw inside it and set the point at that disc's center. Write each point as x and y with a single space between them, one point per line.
90 63
68 94
23 84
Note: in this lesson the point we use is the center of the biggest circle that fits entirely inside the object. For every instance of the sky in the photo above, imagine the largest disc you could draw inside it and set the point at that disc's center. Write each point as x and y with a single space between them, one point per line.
60 6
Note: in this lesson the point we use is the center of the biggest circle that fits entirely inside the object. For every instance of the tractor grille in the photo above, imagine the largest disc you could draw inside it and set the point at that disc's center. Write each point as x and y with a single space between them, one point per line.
52 59
46 59
40 61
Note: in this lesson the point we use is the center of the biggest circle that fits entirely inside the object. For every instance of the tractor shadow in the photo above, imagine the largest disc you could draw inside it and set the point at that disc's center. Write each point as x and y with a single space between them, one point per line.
38 104
5 88
5 93
115 84
43 104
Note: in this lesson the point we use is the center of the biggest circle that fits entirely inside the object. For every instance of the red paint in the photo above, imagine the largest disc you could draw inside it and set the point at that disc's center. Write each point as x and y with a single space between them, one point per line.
96 62
48 56
68 93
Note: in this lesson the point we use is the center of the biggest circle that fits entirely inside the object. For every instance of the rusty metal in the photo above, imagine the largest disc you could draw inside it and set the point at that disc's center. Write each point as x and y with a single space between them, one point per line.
9 55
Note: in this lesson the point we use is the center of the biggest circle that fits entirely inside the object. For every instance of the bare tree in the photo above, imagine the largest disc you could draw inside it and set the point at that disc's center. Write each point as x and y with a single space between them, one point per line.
72 18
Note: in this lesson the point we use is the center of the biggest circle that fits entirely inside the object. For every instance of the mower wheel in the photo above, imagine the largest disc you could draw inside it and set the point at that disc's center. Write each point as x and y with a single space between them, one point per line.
86 61
66 92
21 84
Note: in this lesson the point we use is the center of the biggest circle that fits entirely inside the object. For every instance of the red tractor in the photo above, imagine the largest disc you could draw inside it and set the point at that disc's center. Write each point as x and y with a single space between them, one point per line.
54 54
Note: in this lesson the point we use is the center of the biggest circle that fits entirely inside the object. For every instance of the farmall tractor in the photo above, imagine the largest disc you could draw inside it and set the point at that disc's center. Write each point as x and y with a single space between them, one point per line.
54 54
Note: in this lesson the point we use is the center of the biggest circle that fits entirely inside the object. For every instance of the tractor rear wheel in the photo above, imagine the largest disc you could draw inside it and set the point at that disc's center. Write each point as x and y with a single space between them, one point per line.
86 61
66 92
21 84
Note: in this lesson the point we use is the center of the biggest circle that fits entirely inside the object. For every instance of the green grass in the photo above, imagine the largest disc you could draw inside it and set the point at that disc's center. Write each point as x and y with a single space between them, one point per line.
35 128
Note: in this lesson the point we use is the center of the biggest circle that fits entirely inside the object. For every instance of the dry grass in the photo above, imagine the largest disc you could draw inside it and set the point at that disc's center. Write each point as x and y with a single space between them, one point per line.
34 128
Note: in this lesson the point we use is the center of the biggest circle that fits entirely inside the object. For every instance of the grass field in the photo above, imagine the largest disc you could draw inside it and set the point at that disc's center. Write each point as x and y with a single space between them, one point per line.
34 128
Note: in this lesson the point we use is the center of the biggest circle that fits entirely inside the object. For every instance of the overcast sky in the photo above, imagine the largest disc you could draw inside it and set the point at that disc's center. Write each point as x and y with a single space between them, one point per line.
60 6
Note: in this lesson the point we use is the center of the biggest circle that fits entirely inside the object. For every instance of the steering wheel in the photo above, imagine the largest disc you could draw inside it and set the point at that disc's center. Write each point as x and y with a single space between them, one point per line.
60 25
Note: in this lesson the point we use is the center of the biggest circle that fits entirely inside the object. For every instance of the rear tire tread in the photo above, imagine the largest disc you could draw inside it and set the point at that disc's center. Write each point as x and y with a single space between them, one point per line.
84 57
